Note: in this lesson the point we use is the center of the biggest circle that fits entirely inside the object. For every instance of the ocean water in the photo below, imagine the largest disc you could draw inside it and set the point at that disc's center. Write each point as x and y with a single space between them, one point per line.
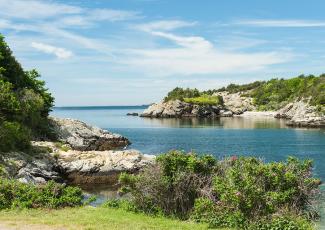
265 137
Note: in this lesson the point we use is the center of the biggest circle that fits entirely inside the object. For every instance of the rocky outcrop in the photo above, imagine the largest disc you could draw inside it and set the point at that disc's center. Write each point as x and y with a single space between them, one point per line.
94 167
35 168
177 109
72 166
302 114
81 136
236 102
132 114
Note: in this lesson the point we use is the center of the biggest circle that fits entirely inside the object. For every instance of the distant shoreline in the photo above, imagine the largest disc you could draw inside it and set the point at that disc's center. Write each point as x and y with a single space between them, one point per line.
101 107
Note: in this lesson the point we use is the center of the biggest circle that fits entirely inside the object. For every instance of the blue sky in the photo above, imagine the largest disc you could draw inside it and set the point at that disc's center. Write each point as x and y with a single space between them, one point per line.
129 52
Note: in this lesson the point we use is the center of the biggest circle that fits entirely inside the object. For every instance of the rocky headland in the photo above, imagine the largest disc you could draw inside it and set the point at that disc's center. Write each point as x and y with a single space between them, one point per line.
298 113
83 155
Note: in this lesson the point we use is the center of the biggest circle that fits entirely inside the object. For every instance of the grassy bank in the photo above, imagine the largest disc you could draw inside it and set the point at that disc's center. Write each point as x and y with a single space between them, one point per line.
88 218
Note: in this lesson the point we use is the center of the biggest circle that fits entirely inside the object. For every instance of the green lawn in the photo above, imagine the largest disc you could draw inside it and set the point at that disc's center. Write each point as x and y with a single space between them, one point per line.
88 218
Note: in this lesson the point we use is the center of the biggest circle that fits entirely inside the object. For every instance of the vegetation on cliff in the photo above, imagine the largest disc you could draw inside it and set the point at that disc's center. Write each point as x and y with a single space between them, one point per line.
236 192
267 95
24 103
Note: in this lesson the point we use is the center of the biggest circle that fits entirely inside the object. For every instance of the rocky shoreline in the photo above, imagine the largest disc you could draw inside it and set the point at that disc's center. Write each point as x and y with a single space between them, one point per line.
298 113
83 155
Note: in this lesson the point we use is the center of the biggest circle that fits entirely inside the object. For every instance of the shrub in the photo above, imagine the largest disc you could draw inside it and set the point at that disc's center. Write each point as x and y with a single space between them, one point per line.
14 194
257 189
243 192
14 136
180 94
171 185
249 191
205 100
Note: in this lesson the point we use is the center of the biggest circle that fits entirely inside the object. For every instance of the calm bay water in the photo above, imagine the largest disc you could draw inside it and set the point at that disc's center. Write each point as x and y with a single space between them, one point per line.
264 137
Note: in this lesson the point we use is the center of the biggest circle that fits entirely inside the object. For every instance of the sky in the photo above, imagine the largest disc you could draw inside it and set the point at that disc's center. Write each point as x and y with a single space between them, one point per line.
132 52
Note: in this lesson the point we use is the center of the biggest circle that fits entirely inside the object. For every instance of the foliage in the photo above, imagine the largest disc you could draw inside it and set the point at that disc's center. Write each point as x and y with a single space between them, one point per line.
235 192
14 136
205 100
171 186
24 102
267 95
14 194
276 93
62 146
234 88
179 94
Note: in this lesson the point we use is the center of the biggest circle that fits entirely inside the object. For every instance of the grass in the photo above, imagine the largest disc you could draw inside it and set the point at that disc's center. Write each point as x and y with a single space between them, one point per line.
204 100
89 218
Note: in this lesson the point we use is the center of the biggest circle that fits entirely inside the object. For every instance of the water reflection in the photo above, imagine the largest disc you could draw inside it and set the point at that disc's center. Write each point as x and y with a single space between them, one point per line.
222 122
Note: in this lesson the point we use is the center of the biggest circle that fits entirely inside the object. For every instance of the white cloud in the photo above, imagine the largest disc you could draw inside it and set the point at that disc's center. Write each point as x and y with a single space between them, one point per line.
28 9
281 23
196 55
57 51
112 15
191 42
164 25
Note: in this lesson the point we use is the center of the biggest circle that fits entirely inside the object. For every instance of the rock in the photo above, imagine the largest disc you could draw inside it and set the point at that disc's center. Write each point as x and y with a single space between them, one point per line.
101 167
132 114
226 113
154 110
81 136
236 102
73 166
178 109
301 113
36 168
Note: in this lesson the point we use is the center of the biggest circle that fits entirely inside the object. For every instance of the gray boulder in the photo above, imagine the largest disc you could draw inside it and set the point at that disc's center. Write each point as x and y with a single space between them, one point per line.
81 136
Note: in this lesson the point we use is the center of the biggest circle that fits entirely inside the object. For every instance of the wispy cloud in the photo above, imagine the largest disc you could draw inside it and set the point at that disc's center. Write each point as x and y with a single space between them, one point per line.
164 25
28 9
60 53
196 55
280 23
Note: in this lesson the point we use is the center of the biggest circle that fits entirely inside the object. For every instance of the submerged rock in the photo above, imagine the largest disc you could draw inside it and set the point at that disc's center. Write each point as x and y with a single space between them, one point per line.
81 136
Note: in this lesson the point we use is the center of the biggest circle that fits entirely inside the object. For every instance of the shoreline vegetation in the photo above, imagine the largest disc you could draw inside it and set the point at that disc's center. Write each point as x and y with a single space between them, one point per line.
40 156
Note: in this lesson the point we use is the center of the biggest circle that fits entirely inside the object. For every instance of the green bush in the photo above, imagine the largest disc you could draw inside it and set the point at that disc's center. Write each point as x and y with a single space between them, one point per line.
14 136
179 94
205 100
170 186
14 194
235 192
